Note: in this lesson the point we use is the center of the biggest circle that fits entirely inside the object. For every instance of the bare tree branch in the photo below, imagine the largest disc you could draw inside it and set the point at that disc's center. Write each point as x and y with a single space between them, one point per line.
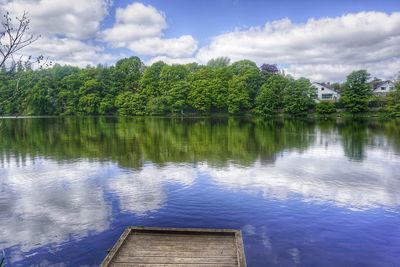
13 39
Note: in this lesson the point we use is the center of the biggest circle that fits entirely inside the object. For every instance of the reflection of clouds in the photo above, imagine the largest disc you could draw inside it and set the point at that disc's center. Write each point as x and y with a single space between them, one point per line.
260 234
320 174
45 202
142 191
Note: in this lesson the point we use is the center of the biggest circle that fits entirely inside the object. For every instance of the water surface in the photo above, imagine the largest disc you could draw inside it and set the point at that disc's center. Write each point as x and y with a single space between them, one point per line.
304 192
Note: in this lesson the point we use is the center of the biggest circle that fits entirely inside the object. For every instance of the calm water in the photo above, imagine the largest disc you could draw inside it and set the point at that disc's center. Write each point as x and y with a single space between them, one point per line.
304 193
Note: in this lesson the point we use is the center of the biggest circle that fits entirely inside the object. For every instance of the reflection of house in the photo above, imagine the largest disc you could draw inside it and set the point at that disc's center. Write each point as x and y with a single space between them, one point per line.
382 88
325 92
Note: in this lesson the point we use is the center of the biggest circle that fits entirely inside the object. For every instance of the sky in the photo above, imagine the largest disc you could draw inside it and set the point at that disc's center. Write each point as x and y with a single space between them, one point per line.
321 40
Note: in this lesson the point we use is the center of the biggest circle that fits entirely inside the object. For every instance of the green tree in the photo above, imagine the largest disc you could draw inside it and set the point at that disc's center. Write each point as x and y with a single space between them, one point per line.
129 71
68 95
219 62
238 95
91 93
40 101
177 96
357 91
270 97
393 102
129 104
200 92
250 73
89 104
150 81
298 97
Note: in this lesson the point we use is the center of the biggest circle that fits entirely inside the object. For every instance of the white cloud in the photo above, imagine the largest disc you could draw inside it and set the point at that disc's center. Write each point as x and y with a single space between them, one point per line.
67 29
170 60
44 202
73 18
140 28
70 51
134 22
332 180
321 49
142 191
337 72
183 46
363 40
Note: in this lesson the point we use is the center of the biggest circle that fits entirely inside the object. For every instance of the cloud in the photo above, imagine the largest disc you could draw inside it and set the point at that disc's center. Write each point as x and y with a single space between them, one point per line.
337 72
140 28
183 46
73 18
43 202
142 191
362 40
337 182
170 60
325 49
70 51
135 22
67 29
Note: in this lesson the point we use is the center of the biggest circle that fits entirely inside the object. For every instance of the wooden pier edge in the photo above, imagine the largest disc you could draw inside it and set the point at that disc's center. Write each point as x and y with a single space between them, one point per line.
199 231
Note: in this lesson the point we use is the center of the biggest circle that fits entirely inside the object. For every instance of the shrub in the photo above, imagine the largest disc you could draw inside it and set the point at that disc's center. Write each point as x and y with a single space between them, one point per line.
377 102
326 107
393 102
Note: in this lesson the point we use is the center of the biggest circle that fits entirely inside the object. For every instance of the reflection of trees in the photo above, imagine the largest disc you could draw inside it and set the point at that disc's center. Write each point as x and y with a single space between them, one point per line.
274 136
354 138
132 141
385 133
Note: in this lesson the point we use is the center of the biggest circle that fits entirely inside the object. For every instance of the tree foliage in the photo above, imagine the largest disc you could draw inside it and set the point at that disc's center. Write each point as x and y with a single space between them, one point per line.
393 102
219 62
270 97
298 97
130 88
356 91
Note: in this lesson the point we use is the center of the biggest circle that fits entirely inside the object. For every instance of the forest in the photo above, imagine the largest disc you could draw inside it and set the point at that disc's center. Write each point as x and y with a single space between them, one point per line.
130 88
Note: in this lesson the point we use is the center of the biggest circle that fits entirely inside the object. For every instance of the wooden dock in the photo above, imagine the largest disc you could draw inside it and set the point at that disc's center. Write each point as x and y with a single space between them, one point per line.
144 246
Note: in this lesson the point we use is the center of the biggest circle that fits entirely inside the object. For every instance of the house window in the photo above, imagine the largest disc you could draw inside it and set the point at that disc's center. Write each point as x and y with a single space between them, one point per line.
322 88
383 88
326 96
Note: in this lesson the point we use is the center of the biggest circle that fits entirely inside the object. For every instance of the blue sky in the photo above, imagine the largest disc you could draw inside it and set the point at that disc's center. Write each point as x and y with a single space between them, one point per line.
333 37
207 18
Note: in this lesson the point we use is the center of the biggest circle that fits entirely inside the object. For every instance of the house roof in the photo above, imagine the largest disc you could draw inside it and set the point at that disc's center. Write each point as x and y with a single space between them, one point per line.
377 85
327 86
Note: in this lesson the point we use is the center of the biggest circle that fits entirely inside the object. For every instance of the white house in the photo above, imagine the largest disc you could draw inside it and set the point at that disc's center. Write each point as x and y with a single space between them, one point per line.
325 92
382 88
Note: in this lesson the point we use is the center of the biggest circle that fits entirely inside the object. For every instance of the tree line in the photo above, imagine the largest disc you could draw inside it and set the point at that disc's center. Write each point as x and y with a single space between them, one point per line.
130 88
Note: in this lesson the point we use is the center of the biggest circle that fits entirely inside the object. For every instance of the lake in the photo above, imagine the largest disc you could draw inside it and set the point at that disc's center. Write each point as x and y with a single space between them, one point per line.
303 192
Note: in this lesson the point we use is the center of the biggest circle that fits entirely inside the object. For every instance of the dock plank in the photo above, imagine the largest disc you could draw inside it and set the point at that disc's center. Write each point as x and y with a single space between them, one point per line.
141 246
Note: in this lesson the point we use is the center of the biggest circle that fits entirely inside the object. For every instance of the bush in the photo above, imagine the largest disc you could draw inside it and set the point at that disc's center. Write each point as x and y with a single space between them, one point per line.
377 102
326 107
393 102
339 105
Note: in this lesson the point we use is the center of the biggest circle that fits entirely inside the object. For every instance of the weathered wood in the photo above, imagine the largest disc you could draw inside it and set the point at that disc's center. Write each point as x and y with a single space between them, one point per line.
142 246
